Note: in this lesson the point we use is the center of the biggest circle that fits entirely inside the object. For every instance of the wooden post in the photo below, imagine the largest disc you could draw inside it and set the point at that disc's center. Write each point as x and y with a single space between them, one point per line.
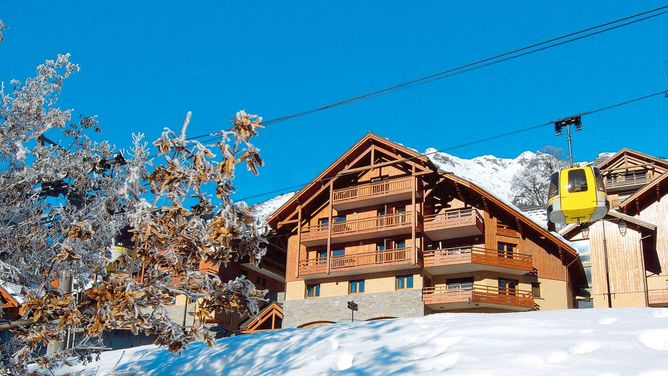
299 239
413 202
329 227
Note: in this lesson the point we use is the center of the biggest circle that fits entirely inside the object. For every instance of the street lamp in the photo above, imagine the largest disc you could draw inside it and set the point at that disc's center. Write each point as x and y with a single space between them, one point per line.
585 232
622 227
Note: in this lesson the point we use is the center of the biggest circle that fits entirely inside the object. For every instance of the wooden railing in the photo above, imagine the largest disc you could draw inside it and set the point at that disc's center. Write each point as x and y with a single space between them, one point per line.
388 256
479 294
453 218
625 181
372 189
357 261
313 266
374 223
477 255
358 225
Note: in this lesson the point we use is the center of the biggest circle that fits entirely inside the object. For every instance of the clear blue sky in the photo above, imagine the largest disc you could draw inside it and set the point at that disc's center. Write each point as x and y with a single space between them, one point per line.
144 64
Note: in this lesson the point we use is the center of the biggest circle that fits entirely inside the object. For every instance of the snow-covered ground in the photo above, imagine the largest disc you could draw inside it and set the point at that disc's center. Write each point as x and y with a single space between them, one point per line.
572 342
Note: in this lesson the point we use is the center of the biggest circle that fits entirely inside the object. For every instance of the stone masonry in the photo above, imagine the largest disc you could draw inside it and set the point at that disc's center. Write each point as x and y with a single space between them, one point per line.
403 303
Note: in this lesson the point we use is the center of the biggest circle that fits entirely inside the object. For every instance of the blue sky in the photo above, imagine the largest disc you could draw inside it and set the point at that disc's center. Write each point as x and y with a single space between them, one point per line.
144 64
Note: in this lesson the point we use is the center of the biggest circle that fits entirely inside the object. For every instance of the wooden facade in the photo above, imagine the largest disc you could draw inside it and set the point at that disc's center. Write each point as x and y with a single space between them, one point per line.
629 263
382 211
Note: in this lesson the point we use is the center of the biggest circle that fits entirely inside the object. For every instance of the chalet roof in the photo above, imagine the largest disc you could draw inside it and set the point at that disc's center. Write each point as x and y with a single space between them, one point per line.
554 237
268 314
633 153
330 172
362 146
9 297
573 229
642 197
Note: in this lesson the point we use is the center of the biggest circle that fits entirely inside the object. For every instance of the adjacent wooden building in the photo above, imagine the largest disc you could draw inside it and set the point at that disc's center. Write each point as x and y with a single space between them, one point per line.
628 250
384 227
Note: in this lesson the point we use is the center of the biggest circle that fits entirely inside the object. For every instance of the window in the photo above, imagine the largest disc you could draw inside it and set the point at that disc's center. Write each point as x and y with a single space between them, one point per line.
507 286
506 249
340 219
313 291
535 289
459 284
599 180
338 252
356 287
323 223
553 191
403 282
322 255
577 180
400 244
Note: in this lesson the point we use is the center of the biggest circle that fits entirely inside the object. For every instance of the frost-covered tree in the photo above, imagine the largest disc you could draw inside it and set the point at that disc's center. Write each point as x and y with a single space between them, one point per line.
63 202
531 183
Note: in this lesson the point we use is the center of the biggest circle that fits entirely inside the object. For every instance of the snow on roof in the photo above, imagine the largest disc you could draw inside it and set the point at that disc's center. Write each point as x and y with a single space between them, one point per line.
16 291
629 341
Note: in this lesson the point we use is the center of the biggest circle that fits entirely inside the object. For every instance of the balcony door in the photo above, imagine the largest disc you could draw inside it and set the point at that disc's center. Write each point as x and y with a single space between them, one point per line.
508 286
390 250
392 215
459 284
506 250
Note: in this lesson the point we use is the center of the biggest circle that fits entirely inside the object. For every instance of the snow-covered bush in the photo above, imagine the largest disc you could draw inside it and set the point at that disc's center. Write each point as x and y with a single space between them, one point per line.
63 202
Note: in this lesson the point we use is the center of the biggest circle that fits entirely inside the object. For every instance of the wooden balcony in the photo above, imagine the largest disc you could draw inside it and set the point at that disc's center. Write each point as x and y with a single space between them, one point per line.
373 193
358 229
455 223
658 298
472 259
623 183
368 262
476 296
315 267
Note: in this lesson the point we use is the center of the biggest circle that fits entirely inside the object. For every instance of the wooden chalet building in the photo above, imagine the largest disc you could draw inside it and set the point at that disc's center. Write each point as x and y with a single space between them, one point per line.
627 251
384 227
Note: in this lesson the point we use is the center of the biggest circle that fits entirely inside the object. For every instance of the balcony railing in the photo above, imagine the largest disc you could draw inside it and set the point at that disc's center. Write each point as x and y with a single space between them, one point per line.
626 181
361 260
486 295
386 259
353 228
372 191
313 266
455 223
658 297
477 255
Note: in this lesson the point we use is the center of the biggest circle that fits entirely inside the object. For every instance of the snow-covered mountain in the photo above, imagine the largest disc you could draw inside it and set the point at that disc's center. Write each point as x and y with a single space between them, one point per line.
489 172
492 173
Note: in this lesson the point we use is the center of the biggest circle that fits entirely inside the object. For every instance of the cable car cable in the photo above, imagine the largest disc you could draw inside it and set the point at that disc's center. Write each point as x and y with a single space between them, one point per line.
466 144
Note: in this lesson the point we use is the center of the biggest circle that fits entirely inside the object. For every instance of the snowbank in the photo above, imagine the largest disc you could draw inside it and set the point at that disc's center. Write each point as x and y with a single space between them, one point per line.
573 342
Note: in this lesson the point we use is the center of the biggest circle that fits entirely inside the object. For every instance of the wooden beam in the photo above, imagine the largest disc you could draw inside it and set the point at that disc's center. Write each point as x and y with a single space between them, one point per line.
299 238
329 227
414 209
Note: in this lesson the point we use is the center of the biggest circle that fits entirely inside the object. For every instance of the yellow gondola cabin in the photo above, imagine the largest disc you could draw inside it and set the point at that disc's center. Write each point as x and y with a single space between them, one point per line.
577 195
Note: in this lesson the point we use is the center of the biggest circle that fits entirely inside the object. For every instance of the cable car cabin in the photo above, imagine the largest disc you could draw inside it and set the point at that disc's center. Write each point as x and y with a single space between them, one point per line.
577 195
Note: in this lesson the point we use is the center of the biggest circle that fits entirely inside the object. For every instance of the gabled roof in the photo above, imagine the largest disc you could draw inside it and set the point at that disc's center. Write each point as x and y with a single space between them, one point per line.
554 237
271 313
362 147
612 214
9 298
634 154
656 188
357 150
